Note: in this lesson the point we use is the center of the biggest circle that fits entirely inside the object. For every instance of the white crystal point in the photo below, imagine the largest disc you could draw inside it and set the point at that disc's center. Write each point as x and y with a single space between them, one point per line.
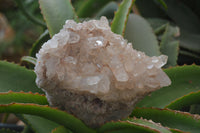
95 74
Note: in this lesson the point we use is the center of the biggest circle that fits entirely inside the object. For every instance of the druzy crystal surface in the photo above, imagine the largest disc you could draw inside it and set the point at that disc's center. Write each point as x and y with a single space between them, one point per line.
94 74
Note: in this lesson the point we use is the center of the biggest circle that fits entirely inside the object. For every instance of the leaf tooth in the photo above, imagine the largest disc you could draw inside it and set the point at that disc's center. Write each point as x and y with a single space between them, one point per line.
21 92
181 98
196 116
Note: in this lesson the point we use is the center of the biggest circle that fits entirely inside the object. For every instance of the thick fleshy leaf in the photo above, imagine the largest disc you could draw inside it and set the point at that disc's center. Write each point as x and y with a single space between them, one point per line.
37 45
34 122
150 124
170 118
149 9
183 16
29 15
185 102
108 10
37 123
158 25
126 127
139 32
55 13
169 45
88 7
190 41
16 78
185 79
121 16
153 125
176 131
58 116
192 56
21 97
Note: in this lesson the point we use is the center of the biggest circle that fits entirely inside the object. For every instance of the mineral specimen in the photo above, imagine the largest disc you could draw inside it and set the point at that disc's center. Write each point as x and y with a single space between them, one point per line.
94 74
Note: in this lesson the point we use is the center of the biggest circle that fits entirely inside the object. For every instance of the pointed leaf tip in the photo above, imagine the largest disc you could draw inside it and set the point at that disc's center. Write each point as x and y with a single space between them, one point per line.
56 12
121 16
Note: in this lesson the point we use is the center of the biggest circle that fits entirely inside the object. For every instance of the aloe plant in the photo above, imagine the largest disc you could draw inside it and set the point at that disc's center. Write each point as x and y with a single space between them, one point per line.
167 110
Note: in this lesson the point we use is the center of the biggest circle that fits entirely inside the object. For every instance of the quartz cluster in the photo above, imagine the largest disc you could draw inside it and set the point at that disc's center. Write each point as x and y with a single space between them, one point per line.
94 74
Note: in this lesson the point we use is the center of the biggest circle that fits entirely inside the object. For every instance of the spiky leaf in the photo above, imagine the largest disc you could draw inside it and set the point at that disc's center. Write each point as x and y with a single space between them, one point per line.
185 101
38 124
190 42
58 116
170 118
169 45
21 97
125 127
185 79
55 13
183 16
108 10
140 33
121 16
16 78
88 7
150 124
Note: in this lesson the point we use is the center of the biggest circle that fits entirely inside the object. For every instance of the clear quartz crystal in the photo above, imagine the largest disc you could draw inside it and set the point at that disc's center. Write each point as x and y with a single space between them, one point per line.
93 80
94 74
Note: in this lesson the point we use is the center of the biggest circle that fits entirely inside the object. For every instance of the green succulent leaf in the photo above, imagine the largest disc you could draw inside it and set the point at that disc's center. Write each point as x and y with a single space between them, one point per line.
88 7
29 15
185 79
169 45
153 125
38 124
176 131
157 23
170 118
183 16
150 124
29 59
139 32
188 53
108 10
40 41
55 13
185 101
21 97
16 78
150 9
190 41
58 116
121 16
126 127
61 129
